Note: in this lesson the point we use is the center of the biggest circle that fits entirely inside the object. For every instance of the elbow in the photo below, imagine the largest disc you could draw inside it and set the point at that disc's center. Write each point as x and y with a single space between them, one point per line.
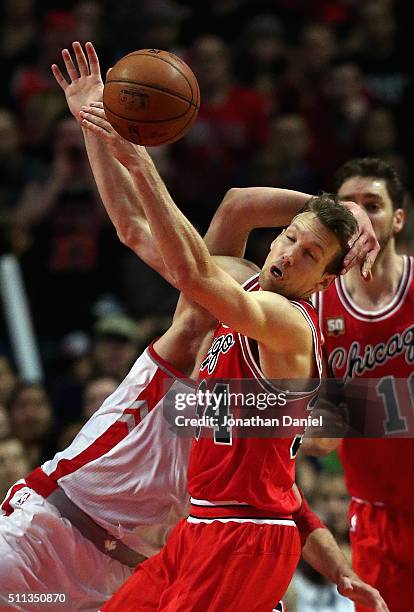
232 198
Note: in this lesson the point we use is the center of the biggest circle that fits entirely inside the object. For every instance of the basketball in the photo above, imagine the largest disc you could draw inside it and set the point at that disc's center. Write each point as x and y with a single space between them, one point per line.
151 97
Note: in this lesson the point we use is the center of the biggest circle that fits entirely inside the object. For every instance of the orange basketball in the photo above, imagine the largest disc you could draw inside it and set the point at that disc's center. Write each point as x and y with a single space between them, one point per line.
151 97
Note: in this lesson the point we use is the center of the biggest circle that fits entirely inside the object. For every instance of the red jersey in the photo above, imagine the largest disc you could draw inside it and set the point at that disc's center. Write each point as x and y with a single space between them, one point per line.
230 466
377 345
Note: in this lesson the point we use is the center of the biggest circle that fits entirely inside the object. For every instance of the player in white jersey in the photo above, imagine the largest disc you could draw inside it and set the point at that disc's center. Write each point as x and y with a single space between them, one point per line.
71 532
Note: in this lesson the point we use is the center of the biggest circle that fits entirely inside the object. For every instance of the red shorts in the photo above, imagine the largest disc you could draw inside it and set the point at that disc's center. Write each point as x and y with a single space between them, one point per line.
382 541
214 566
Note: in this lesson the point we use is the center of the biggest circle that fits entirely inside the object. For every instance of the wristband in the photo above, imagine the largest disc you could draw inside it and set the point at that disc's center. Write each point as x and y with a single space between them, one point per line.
306 520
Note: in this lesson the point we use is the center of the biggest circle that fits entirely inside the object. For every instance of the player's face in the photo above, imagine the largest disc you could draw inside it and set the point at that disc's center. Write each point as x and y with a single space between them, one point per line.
372 195
295 266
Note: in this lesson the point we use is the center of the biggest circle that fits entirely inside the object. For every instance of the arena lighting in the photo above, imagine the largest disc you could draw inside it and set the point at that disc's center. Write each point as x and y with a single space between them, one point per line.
19 322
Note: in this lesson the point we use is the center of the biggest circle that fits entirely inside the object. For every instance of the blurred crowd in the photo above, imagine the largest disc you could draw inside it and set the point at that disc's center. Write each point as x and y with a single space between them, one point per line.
290 89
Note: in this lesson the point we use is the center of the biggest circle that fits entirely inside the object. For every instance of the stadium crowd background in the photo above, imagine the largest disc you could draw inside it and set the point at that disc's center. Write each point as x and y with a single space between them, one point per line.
290 89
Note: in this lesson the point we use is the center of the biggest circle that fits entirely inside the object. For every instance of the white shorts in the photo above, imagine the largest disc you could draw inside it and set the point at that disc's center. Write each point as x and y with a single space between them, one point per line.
43 557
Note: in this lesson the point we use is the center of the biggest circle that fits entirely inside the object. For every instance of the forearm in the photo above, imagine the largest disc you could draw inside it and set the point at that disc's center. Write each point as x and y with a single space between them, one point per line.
179 243
246 209
122 202
115 186
323 553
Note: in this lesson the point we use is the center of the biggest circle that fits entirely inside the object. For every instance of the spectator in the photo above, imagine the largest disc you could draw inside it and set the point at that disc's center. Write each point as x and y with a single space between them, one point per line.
62 220
4 423
32 421
13 463
18 32
115 346
230 128
262 58
95 393
312 591
8 380
285 160
67 434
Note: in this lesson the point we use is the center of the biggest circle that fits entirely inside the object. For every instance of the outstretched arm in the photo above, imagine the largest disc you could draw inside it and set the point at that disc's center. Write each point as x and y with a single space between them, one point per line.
188 259
81 86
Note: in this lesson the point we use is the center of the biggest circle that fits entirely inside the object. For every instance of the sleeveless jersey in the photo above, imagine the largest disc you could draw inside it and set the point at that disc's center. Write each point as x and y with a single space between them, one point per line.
377 345
245 470
126 468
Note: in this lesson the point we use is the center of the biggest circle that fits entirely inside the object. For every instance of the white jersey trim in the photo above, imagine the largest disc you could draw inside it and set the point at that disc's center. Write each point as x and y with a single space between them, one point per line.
389 309
365 501
261 378
254 276
204 502
316 345
264 521
163 365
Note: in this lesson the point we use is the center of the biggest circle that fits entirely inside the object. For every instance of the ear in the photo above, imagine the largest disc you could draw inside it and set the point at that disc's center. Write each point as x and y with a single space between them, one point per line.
398 221
326 282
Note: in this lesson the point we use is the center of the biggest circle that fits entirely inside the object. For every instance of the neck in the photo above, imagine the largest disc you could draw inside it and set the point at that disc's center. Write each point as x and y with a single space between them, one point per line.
386 275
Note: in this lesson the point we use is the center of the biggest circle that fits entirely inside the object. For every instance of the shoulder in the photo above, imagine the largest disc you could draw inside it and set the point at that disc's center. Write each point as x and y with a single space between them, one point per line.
290 318
238 268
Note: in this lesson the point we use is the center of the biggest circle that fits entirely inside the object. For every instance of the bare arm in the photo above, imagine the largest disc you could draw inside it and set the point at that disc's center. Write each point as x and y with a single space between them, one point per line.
188 259
243 210
82 86
323 553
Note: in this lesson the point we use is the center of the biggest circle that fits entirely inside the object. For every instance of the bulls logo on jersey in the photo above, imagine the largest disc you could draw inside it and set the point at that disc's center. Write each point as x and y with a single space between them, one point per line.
221 344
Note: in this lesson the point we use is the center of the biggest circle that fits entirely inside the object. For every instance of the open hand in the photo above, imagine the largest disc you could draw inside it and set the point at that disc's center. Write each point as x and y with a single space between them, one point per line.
362 593
85 82
364 247
93 118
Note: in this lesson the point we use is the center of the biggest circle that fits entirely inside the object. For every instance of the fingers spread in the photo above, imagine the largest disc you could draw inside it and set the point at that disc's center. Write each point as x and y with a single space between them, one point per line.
70 67
92 59
59 77
81 59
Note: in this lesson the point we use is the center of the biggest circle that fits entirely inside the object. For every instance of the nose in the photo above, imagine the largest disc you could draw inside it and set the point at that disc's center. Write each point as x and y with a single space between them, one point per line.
287 259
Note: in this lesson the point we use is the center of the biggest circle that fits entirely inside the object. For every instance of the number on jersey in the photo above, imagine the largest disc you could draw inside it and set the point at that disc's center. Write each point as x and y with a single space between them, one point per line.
216 407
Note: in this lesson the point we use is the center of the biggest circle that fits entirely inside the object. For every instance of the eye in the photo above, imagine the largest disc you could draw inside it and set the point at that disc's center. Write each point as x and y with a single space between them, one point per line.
290 238
310 254
371 207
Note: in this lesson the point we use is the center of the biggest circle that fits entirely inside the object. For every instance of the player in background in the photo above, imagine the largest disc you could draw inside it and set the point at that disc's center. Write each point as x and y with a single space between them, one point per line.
242 490
84 506
369 331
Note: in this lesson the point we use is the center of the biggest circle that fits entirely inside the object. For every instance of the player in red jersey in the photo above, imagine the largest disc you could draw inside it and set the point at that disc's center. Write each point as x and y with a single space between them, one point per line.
100 465
240 533
369 331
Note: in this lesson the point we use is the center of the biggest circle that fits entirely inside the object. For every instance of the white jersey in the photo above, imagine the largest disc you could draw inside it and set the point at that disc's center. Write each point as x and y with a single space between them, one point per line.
126 469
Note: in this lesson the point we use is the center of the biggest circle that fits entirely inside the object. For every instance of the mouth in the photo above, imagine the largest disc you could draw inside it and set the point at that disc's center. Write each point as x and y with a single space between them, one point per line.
276 272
